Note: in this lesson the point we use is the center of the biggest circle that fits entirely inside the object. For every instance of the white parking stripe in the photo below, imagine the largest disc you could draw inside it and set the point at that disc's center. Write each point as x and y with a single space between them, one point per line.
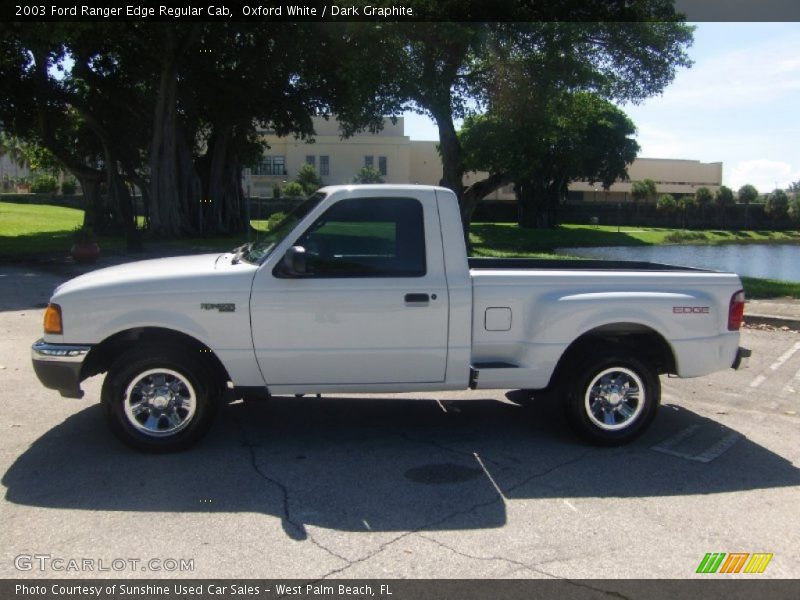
759 379
792 386
784 357
706 456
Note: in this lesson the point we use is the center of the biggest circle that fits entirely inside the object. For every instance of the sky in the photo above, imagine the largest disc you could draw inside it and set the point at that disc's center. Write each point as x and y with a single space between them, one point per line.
739 104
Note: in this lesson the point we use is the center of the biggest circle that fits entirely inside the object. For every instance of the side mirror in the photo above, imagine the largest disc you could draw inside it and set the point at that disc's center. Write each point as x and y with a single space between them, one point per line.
294 262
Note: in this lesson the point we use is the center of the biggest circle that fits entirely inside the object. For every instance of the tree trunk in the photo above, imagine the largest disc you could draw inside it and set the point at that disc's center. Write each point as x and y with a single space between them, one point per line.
122 202
452 165
93 210
224 206
478 191
174 187
535 200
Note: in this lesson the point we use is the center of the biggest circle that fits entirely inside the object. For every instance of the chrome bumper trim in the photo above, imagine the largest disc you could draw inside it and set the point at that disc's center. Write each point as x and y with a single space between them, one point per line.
63 353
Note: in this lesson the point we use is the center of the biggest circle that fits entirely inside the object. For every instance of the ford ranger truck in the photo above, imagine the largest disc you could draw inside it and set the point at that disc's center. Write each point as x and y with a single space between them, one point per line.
369 289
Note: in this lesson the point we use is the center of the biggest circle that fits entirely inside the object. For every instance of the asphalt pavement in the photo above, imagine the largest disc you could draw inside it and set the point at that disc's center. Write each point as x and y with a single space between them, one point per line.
462 484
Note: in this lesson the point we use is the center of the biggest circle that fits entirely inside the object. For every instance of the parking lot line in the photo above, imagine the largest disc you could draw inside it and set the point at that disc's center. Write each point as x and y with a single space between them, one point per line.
779 362
715 450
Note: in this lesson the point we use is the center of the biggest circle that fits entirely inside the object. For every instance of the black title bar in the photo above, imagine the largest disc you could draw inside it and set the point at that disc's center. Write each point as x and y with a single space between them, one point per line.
709 588
380 10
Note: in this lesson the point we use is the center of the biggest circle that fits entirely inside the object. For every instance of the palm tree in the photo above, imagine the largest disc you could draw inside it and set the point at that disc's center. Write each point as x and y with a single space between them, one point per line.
12 147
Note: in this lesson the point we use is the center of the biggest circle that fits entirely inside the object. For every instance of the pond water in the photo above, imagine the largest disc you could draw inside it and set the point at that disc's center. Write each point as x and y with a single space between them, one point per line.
770 261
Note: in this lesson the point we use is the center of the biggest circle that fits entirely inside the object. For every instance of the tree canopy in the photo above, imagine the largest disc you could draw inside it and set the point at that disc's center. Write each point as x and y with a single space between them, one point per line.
368 174
777 204
643 190
308 179
177 109
747 194
451 70
567 138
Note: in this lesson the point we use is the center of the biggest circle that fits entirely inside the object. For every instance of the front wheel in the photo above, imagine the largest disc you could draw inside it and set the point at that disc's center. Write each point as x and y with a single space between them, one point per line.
159 399
612 400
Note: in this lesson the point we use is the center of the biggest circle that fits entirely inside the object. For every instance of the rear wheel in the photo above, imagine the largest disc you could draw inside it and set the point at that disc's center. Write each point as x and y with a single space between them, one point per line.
160 399
612 400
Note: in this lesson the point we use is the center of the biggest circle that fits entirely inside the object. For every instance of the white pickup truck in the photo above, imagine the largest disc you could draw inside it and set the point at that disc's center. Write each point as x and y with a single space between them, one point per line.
369 289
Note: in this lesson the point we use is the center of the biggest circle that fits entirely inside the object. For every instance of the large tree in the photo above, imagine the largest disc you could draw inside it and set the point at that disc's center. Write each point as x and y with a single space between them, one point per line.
747 194
643 190
177 110
450 70
723 199
66 92
568 138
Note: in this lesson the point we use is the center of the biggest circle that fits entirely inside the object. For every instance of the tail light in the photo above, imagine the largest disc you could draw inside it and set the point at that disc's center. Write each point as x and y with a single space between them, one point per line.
736 311
52 319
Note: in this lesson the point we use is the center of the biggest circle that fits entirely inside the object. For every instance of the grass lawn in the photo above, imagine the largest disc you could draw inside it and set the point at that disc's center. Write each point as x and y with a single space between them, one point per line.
770 288
26 219
27 229
30 230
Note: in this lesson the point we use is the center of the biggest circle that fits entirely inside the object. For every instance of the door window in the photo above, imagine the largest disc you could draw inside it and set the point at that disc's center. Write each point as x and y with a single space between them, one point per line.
367 237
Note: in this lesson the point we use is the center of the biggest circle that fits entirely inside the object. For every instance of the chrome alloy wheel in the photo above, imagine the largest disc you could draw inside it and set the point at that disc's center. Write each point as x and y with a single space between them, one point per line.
615 398
160 402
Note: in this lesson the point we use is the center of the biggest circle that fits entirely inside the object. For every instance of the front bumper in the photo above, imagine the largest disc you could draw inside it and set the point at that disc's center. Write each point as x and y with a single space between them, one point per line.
742 359
58 366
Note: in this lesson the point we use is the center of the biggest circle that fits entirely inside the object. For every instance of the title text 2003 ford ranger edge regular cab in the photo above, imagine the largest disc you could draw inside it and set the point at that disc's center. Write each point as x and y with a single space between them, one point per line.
369 289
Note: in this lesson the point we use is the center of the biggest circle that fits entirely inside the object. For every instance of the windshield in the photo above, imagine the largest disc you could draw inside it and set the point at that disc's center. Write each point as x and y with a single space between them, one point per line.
262 248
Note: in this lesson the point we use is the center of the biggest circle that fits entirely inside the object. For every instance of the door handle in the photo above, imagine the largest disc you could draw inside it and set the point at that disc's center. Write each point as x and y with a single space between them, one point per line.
417 298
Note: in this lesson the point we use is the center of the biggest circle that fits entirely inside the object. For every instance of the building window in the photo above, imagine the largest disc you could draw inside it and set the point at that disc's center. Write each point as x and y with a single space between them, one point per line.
382 169
369 161
311 160
270 165
324 165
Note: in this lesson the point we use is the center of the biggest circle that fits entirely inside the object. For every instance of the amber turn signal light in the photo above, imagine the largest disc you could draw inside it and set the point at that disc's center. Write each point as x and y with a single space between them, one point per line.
52 319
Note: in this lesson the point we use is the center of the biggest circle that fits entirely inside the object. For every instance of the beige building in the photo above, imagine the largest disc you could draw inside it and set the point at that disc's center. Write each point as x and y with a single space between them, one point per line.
672 176
402 160
336 160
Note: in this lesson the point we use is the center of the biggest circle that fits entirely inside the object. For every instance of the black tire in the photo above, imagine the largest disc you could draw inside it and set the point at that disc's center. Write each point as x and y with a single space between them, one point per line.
631 394
173 398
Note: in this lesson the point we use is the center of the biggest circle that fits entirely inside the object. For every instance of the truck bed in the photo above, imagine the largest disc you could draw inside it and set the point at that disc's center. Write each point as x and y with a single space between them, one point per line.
568 264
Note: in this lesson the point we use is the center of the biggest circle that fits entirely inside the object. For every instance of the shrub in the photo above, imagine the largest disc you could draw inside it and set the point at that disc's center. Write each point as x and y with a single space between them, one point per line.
44 184
724 196
794 209
368 175
747 194
703 196
69 186
687 203
678 237
666 204
308 179
293 190
777 203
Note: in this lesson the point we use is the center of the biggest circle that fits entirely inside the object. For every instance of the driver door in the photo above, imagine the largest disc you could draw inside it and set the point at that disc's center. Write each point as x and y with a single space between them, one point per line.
372 306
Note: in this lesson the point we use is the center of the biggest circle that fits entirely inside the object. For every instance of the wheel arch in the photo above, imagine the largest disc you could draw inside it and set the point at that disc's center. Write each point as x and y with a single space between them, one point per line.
104 354
644 341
